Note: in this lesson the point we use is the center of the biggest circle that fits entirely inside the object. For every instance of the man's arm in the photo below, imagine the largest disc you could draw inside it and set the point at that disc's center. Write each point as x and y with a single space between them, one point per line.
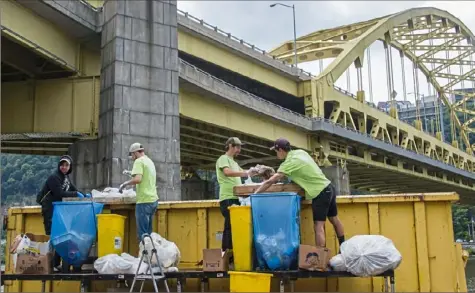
230 173
266 184
137 172
54 184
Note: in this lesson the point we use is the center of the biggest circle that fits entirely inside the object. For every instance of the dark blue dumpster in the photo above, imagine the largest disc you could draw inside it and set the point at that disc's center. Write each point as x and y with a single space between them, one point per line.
276 224
74 230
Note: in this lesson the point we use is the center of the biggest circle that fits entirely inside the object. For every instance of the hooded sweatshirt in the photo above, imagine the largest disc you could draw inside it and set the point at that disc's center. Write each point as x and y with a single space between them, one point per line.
57 186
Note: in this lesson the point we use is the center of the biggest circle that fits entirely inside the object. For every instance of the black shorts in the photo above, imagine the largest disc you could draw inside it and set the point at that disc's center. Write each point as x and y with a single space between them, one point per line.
324 205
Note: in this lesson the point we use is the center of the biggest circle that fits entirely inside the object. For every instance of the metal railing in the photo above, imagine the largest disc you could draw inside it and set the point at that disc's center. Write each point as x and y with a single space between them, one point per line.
366 135
239 40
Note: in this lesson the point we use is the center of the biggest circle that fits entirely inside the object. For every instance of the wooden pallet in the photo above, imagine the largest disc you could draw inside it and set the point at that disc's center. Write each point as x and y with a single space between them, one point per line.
246 190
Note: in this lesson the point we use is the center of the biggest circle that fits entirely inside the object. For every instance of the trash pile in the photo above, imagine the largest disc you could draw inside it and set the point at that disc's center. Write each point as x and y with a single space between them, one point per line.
265 172
31 254
109 192
366 255
167 252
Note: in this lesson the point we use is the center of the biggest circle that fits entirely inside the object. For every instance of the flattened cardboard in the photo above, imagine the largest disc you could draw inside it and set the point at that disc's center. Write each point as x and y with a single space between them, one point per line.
314 258
214 262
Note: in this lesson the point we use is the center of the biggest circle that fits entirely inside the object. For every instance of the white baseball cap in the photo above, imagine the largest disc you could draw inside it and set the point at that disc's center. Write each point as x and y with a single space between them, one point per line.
135 147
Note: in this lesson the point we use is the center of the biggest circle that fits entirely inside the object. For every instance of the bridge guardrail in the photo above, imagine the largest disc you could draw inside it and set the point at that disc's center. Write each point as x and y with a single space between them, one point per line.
241 41
300 115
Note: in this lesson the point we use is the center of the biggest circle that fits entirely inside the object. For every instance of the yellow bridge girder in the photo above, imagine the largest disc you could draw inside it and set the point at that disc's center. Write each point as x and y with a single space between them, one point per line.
347 45
39 35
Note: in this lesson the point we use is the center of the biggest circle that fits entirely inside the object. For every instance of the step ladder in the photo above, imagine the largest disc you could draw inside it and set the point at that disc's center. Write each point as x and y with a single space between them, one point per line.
150 274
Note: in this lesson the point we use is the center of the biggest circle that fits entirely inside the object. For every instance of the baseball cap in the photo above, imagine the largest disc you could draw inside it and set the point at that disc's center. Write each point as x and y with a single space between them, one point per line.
135 147
280 143
233 141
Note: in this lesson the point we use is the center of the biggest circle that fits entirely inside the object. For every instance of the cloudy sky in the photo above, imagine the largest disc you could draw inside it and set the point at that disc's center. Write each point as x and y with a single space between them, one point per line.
265 27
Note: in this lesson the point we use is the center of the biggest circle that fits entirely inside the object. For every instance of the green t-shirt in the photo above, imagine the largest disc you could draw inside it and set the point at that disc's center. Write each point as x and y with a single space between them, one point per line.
226 184
147 189
302 169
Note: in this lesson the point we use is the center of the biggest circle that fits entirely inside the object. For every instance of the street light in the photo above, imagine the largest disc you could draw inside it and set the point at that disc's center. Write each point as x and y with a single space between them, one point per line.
295 33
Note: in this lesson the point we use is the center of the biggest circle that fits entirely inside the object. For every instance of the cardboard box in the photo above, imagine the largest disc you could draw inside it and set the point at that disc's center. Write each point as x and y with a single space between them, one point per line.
33 255
314 258
30 264
214 262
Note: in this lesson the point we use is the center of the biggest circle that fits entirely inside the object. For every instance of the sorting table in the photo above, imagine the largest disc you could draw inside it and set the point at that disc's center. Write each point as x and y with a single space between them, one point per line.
285 277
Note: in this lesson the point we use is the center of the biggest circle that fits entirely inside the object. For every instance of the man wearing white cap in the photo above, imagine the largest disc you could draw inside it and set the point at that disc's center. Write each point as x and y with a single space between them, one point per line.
145 177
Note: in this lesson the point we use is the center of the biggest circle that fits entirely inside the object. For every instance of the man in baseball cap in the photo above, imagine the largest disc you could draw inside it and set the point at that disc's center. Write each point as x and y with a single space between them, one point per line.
229 174
301 168
144 176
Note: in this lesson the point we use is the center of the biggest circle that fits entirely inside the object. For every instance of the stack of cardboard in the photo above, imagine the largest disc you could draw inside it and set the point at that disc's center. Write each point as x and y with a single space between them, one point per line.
32 254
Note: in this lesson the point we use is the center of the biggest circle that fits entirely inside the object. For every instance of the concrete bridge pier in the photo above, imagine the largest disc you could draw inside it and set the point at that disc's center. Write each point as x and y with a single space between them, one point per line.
340 178
139 97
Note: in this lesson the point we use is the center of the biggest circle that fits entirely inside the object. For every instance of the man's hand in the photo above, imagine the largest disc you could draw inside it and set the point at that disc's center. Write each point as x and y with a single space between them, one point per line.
252 172
122 186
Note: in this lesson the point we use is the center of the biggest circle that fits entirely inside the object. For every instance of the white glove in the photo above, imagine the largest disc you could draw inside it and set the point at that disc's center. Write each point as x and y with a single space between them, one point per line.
127 172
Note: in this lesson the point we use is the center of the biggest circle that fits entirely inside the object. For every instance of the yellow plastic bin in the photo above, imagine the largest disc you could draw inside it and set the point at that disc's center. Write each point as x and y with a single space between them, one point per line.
241 228
249 282
110 230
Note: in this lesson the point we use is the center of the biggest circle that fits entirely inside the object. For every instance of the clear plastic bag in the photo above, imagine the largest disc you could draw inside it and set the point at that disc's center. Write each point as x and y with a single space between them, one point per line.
337 263
369 255
167 251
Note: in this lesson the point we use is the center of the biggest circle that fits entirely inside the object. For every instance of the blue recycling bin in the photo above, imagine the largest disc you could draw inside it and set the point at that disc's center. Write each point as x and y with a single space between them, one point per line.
276 224
74 229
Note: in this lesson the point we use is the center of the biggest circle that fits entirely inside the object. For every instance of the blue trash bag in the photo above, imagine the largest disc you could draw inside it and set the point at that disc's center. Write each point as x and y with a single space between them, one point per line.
276 225
74 229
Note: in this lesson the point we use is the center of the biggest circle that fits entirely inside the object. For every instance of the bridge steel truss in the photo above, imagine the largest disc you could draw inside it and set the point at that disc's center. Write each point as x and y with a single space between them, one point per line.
347 44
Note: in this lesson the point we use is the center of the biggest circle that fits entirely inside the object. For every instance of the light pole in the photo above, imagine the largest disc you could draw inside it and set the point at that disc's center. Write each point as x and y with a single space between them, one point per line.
295 32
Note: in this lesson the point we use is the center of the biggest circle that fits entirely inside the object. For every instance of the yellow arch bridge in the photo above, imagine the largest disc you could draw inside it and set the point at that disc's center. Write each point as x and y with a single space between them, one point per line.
91 77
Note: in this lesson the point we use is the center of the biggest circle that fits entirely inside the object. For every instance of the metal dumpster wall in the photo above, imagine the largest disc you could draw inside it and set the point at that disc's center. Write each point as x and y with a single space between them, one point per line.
419 224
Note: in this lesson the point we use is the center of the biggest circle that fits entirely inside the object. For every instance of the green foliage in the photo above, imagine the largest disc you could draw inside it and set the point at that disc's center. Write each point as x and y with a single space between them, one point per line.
461 220
23 176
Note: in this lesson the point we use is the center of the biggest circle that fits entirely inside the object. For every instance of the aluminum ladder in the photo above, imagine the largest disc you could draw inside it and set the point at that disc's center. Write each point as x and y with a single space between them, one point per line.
149 275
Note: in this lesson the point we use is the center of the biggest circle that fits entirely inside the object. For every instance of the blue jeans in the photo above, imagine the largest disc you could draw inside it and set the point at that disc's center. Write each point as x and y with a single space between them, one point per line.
144 217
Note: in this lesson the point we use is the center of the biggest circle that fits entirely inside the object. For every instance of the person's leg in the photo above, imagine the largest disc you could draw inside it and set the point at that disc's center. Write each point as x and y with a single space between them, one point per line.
141 219
47 222
227 242
333 218
151 210
320 206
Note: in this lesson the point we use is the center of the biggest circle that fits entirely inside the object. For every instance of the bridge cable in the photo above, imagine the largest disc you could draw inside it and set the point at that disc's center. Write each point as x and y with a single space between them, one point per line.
404 91
370 82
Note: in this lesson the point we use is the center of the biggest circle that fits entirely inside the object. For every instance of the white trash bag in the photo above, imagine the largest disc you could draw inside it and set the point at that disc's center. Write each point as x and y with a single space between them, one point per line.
167 251
337 263
369 255
112 264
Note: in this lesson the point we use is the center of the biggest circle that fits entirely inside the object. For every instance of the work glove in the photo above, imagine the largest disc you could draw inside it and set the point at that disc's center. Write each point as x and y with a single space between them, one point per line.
80 195
88 195
127 172
121 187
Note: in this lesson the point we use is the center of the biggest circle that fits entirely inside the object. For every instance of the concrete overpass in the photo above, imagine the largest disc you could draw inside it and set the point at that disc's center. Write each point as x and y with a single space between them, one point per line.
110 76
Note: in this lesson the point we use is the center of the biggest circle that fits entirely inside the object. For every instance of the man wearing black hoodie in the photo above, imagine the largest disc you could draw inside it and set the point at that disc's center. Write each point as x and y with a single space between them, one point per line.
55 189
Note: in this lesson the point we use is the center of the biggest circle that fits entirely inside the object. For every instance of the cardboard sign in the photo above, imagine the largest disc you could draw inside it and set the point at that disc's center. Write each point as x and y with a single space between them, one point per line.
29 264
214 262
313 258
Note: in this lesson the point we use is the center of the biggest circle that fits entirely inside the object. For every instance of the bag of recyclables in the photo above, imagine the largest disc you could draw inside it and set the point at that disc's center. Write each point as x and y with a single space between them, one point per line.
369 255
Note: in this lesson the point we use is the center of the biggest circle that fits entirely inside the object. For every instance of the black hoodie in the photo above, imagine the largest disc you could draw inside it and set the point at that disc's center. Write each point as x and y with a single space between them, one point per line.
56 187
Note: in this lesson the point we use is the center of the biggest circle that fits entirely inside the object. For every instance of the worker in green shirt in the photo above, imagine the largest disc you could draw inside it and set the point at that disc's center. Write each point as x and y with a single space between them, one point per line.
144 176
229 175
300 167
